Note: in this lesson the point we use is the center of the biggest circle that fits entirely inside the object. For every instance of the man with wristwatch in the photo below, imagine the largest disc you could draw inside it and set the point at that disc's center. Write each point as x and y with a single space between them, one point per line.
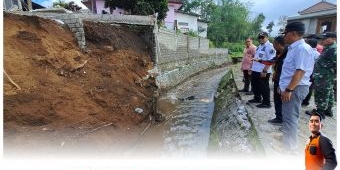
294 81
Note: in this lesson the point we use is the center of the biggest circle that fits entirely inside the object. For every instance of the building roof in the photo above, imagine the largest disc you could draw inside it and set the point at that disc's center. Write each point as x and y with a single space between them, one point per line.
202 20
328 13
321 6
187 13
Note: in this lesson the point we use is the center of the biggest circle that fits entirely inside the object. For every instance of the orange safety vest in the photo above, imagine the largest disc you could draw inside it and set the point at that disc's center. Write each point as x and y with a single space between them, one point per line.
317 161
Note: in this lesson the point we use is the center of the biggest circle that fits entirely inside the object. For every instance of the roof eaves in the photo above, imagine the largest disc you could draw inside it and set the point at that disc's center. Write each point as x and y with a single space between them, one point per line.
202 20
305 11
188 13
311 15
320 10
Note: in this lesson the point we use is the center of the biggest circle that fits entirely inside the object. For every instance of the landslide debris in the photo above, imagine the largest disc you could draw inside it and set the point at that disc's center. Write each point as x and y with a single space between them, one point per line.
70 99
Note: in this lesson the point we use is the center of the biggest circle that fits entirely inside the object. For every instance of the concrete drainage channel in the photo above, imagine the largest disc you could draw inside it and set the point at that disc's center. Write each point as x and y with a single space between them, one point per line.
232 133
205 118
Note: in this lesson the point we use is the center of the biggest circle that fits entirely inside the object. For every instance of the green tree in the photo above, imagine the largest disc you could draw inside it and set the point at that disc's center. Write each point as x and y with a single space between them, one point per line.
72 6
69 6
190 5
202 7
229 22
270 27
257 24
124 4
60 3
282 23
141 7
148 7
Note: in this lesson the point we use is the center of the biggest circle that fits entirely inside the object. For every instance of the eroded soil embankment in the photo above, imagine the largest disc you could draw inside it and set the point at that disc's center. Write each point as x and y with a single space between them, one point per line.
70 99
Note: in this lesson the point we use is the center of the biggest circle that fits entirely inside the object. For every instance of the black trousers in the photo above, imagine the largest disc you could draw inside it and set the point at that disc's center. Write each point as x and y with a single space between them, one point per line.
247 80
277 102
261 87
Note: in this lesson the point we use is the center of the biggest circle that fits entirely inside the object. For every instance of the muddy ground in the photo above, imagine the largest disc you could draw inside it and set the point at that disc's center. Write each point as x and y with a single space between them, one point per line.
72 101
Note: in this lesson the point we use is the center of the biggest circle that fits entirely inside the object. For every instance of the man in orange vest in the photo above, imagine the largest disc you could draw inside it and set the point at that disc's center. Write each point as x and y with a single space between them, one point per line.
319 151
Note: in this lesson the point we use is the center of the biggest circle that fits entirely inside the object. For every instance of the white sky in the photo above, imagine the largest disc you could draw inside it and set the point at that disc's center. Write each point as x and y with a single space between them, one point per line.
273 9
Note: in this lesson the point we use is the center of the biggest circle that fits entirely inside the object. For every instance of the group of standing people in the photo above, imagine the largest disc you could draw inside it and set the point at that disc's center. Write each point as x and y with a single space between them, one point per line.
297 64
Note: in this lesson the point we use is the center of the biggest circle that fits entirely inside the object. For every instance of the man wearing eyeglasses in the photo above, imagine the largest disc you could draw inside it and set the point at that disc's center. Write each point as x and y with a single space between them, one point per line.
294 81
319 151
260 73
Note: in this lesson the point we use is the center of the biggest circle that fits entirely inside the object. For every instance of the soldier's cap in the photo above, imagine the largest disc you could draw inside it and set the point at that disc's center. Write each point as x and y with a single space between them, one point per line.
297 26
262 34
327 35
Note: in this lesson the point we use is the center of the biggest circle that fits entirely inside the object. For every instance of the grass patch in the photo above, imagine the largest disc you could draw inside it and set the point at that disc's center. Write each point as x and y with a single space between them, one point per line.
236 55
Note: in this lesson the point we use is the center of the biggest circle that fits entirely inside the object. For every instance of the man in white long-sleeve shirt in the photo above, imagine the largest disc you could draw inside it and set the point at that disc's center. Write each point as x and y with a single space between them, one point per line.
294 81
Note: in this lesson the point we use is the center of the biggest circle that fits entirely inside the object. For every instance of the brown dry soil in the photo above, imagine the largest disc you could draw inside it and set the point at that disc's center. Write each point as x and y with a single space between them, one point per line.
73 101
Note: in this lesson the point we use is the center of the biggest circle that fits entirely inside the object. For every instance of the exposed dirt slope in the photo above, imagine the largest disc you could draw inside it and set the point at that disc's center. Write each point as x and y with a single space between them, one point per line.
71 100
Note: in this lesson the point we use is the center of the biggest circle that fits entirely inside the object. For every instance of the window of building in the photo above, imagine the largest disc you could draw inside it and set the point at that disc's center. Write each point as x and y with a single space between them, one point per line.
183 24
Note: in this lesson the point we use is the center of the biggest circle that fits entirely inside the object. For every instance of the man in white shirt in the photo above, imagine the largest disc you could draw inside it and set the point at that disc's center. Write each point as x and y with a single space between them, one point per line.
294 81
260 73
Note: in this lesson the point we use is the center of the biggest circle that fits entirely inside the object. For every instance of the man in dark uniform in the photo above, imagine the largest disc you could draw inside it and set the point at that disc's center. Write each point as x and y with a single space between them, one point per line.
325 75
319 151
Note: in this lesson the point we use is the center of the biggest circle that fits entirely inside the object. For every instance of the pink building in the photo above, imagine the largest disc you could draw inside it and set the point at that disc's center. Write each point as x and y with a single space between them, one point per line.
173 5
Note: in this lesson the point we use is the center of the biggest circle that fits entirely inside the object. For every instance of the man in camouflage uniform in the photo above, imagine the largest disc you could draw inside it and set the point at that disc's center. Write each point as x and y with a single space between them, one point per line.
325 75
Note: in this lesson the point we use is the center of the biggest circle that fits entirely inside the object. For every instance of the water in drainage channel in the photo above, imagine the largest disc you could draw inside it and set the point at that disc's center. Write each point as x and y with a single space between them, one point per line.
188 109
202 120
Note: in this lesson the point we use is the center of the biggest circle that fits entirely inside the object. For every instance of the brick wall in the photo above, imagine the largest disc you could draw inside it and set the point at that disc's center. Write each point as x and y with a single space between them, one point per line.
180 56
179 49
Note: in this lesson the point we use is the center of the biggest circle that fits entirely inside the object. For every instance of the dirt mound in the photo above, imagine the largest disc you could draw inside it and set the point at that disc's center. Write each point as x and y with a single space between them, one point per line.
69 98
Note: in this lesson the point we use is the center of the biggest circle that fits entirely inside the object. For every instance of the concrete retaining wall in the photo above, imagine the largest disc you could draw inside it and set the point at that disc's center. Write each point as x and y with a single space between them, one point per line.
180 56
232 133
